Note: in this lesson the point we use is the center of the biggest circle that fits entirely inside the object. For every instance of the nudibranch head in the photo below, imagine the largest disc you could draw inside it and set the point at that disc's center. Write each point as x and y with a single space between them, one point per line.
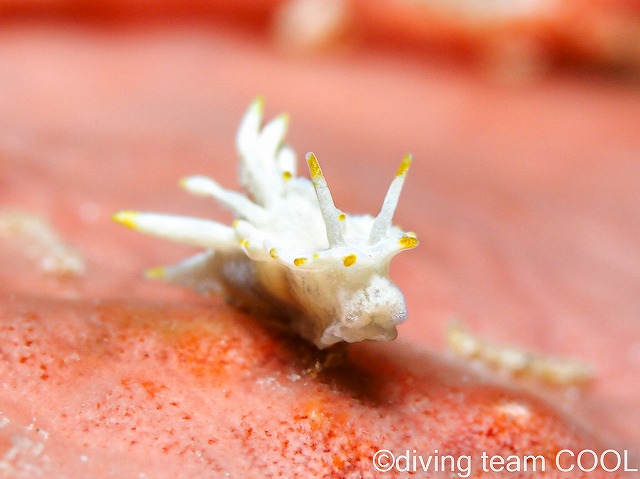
290 251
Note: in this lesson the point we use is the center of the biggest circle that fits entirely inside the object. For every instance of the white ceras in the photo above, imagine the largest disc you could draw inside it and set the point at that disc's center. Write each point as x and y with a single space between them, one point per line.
290 252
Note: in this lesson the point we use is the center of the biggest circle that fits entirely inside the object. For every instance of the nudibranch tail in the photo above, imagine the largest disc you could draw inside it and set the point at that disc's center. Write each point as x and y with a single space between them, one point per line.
238 203
181 229
330 213
384 218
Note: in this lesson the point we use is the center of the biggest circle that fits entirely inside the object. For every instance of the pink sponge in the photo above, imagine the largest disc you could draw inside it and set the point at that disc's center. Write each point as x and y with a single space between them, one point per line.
138 390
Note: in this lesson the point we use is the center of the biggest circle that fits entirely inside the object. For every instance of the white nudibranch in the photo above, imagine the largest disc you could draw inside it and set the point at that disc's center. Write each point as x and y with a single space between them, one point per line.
290 252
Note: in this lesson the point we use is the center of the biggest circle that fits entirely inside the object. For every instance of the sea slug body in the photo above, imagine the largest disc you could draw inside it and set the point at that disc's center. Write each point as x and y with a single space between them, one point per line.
290 252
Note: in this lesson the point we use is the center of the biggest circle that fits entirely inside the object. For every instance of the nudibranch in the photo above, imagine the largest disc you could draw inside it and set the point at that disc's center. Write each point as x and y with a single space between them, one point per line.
289 252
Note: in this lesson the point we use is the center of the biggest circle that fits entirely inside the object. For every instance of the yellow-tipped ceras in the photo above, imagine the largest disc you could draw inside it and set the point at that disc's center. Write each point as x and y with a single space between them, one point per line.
289 252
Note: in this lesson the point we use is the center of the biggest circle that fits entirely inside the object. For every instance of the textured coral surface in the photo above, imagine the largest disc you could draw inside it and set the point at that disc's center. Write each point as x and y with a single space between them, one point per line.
524 199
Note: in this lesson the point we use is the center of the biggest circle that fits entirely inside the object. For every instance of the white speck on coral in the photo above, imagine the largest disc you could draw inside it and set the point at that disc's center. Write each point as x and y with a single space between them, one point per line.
38 241
289 252
19 460
266 381
514 410
73 357
271 382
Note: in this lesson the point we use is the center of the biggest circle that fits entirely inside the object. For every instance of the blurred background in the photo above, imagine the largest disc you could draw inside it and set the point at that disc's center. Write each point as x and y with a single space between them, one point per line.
507 38
523 117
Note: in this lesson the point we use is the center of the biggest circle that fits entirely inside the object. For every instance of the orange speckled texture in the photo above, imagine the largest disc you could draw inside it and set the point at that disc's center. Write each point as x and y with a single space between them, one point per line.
524 199
115 389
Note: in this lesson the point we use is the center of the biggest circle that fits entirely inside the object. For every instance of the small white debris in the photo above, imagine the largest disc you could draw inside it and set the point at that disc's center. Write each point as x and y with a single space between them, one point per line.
514 410
515 361
39 242
306 25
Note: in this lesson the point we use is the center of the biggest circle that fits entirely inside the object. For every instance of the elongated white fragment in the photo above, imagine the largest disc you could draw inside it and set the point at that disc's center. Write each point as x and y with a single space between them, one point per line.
516 361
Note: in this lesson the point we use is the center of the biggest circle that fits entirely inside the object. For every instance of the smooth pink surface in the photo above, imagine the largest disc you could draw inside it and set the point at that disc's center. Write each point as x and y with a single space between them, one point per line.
524 199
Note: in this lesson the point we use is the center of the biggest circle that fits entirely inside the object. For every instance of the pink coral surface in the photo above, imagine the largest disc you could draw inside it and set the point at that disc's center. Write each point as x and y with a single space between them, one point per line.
525 201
